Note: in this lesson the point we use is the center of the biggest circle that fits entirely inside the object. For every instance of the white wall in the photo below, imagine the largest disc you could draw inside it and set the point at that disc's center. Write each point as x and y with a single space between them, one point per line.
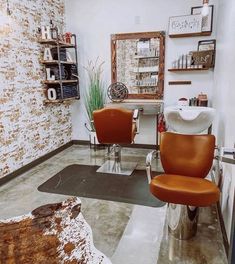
224 98
94 21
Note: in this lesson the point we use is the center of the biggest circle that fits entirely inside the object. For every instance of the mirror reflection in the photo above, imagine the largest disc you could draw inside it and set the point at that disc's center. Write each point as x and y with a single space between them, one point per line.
138 62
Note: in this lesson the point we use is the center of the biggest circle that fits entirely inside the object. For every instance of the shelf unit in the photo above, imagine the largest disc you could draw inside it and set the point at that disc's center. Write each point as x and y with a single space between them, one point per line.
66 89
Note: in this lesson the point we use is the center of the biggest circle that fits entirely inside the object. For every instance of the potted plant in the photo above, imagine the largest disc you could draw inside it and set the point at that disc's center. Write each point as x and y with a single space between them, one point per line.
95 95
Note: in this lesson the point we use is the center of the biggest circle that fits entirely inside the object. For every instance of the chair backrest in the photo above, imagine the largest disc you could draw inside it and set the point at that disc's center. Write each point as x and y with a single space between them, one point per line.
114 125
188 155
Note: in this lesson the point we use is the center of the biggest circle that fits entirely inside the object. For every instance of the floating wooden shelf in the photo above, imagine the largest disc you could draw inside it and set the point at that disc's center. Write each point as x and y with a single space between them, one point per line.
56 42
191 35
58 81
179 82
184 70
59 101
57 62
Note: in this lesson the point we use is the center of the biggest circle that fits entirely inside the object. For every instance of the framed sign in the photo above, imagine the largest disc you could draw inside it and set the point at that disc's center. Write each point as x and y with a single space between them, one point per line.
204 58
207 45
180 25
207 22
210 44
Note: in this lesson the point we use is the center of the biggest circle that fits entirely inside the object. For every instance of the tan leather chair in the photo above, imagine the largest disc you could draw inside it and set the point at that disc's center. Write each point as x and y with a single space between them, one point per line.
115 126
186 160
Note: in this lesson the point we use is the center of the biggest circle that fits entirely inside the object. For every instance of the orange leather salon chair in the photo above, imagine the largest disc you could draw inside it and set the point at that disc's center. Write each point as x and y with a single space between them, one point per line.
186 160
116 126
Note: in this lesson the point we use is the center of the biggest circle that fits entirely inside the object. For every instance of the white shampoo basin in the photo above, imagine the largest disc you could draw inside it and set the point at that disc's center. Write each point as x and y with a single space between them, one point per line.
189 119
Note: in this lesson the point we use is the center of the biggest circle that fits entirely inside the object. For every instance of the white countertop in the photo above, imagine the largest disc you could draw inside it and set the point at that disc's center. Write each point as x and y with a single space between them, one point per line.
139 101
149 106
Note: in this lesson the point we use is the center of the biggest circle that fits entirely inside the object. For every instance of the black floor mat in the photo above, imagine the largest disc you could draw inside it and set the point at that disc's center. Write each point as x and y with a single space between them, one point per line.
84 181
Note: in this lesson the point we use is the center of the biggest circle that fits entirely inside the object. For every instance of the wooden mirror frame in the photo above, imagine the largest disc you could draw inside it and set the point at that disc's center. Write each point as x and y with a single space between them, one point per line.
140 35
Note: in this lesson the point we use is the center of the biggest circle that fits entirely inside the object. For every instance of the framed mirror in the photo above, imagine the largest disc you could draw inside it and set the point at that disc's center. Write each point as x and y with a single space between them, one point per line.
138 61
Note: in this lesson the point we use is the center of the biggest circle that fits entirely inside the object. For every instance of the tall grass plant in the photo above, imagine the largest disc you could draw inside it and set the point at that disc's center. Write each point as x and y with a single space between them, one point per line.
95 95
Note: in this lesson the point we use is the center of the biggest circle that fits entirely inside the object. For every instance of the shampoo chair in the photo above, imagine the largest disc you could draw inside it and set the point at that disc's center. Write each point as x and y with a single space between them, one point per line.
116 126
186 160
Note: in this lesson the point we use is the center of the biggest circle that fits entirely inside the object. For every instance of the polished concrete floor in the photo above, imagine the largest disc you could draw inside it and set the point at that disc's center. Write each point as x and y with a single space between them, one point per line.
126 233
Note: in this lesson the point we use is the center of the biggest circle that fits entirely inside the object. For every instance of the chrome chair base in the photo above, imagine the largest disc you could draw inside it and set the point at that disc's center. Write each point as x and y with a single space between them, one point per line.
182 220
115 167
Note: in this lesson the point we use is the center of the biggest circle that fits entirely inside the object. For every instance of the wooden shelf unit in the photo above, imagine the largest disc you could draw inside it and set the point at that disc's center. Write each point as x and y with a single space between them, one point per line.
71 66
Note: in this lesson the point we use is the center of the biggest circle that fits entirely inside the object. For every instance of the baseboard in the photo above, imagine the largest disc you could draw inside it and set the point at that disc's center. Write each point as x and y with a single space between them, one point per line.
223 230
81 142
145 146
34 163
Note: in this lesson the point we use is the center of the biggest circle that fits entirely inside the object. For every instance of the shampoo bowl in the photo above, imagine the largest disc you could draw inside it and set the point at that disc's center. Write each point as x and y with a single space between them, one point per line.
189 119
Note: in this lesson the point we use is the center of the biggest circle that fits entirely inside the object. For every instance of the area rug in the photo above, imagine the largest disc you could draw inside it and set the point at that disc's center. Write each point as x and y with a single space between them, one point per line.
84 181
53 233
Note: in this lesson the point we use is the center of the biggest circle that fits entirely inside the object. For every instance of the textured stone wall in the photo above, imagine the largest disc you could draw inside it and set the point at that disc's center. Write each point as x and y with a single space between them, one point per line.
28 129
127 65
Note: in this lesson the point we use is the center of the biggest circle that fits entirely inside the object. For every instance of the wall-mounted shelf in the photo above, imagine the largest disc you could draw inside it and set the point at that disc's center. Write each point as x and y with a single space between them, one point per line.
189 69
59 101
64 88
55 42
179 82
200 34
58 81
57 62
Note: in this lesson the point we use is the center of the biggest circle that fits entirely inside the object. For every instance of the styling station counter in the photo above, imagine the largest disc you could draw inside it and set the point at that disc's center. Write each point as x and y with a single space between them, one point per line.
145 107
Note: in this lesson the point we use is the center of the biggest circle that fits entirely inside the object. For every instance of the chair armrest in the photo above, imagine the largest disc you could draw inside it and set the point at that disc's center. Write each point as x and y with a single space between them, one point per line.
136 114
88 127
136 120
149 159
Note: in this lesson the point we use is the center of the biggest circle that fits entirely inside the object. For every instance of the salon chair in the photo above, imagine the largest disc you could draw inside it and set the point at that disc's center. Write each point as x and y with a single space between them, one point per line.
116 126
186 160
